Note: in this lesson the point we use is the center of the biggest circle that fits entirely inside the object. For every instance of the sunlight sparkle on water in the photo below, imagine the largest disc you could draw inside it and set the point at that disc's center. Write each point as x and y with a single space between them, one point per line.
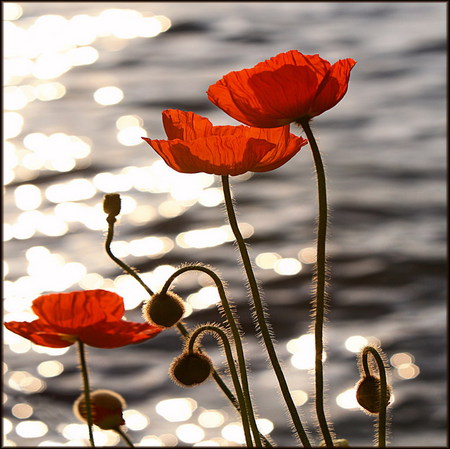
25 382
404 364
210 237
132 292
28 197
11 11
287 266
150 441
108 95
135 420
234 432
267 261
355 343
22 410
176 409
12 124
31 429
307 255
204 298
303 350
211 418
131 136
190 433
299 397
347 399
50 368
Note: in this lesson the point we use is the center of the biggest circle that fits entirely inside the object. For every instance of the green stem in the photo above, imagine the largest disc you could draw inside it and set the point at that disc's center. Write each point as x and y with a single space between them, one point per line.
319 302
260 315
86 389
382 415
181 328
231 319
234 375
109 238
124 436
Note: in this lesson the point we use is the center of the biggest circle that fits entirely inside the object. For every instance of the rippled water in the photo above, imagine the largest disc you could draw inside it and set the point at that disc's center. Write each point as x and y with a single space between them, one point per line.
85 82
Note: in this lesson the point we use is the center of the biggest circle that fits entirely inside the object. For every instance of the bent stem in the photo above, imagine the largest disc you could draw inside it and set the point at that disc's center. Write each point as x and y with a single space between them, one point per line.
320 297
260 315
86 389
234 376
382 415
124 436
181 328
236 336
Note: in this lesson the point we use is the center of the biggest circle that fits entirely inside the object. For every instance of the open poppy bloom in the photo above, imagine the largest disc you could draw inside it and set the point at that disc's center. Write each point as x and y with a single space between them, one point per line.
195 145
290 87
92 316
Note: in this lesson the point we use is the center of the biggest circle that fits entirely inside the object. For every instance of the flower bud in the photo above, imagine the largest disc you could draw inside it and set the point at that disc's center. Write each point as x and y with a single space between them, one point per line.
190 369
368 394
163 309
112 204
106 409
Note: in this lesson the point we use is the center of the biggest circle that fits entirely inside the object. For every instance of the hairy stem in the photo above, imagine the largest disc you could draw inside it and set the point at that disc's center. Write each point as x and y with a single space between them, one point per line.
236 336
320 297
382 415
234 375
260 315
86 389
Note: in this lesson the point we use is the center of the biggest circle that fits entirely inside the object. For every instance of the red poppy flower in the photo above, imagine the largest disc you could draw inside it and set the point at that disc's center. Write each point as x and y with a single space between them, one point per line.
92 316
195 145
290 87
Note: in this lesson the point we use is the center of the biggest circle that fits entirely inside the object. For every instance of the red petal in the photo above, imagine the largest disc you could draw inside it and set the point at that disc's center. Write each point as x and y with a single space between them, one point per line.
185 125
282 89
78 309
41 333
333 86
287 146
117 334
219 155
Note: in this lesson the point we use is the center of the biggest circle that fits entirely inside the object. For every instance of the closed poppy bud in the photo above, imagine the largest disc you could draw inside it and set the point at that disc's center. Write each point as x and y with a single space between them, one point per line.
112 204
106 409
163 309
368 394
190 369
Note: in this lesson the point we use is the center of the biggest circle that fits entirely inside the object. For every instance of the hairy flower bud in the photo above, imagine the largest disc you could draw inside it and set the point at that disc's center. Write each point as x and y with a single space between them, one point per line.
368 394
106 409
112 204
163 309
190 369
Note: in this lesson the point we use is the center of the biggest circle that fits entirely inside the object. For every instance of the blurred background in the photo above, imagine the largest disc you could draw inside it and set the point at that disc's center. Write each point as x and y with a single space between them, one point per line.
84 81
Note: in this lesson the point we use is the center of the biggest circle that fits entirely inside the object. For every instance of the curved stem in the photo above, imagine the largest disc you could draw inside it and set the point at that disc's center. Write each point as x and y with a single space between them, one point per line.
382 419
181 328
260 315
236 336
86 389
320 297
109 237
124 436
234 376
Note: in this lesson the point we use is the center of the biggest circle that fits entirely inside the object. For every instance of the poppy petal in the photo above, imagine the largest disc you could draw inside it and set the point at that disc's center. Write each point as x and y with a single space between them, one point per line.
287 146
79 308
117 334
286 88
333 87
219 155
185 125
41 333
